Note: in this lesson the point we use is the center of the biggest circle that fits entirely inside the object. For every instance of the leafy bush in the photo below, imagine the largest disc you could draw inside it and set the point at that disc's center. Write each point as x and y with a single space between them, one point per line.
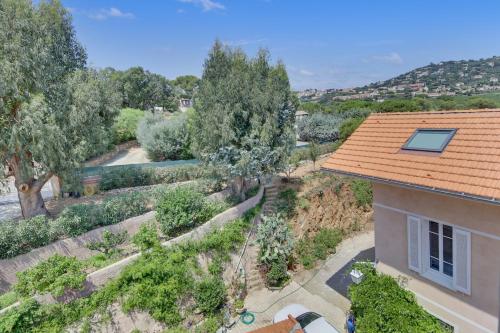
164 139
125 125
20 237
323 127
287 200
146 238
363 193
481 103
126 177
210 294
274 238
108 243
277 274
182 208
348 127
54 275
319 127
381 305
319 247
8 298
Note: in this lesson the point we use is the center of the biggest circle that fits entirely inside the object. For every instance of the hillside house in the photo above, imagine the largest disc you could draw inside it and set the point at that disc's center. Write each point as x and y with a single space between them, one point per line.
436 186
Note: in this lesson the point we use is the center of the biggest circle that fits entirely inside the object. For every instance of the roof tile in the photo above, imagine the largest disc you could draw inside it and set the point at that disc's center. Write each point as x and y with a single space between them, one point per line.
470 164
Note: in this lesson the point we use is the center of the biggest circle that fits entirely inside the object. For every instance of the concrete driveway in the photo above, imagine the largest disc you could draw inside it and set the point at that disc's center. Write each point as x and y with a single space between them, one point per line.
310 289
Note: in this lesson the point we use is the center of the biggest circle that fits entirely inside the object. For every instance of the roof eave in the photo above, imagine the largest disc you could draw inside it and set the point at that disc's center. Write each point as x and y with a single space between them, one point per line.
414 186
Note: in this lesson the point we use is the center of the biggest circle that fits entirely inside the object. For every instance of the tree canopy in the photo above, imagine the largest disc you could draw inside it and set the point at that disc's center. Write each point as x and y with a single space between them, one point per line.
244 116
53 112
144 90
188 84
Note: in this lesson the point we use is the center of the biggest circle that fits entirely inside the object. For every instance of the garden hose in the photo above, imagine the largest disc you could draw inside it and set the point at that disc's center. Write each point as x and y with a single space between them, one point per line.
247 318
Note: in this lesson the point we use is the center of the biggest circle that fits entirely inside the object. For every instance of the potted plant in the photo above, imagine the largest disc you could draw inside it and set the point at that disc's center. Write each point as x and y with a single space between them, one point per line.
239 306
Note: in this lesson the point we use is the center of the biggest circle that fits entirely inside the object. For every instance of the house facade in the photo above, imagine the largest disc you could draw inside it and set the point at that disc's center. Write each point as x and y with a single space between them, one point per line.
436 186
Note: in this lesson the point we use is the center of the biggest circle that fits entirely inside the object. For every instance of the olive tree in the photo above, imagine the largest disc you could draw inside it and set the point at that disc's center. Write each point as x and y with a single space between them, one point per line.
53 112
244 115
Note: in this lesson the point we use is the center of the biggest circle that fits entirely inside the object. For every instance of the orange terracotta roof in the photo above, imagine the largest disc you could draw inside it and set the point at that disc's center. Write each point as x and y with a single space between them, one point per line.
469 166
284 326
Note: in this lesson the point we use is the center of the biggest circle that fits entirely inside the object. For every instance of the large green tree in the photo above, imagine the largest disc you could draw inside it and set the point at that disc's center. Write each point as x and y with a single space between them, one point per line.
53 112
244 114
144 90
188 85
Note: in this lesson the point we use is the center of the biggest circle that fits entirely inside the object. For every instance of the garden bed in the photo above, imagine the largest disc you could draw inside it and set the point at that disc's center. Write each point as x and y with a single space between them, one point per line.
145 286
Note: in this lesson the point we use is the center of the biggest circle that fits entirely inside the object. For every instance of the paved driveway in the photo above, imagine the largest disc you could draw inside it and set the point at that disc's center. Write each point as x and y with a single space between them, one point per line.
310 289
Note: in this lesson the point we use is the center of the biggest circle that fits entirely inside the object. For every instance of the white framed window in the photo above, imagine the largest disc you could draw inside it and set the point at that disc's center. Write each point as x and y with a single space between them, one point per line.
439 252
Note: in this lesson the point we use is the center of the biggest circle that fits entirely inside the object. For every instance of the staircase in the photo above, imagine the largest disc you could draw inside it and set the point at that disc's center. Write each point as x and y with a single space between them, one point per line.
271 193
253 278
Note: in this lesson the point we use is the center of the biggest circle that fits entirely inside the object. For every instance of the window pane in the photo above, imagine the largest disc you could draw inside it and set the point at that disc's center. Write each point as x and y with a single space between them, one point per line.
434 245
434 227
448 250
434 263
447 231
432 140
447 269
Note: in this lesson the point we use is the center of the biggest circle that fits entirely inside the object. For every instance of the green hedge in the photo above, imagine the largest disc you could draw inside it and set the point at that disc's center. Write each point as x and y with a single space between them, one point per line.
20 237
125 125
184 207
380 304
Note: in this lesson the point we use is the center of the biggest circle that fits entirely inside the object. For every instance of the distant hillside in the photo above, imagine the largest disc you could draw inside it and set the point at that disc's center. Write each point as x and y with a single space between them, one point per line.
449 78
450 75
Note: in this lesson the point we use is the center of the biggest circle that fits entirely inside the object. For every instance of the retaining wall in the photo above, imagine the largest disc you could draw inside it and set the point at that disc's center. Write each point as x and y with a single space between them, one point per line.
100 277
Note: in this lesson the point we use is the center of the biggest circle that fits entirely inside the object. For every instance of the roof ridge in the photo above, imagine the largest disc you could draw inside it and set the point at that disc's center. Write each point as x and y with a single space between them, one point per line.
413 113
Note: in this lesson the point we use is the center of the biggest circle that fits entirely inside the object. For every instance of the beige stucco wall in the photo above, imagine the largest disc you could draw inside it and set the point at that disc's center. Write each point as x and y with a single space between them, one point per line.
477 312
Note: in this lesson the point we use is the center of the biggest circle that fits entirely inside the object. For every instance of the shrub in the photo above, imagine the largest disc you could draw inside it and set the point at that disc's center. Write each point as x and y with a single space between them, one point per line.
320 246
119 208
8 298
277 274
381 305
125 125
210 294
182 208
481 103
54 275
319 127
146 238
348 127
126 177
210 325
362 190
164 138
287 200
274 238
108 243
20 237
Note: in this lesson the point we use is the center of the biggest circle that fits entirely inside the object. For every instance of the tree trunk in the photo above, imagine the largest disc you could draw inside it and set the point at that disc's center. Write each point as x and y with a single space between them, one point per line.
32 203
238 187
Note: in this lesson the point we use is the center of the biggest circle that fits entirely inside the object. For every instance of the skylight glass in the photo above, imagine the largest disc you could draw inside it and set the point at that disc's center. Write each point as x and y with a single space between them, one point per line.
433 140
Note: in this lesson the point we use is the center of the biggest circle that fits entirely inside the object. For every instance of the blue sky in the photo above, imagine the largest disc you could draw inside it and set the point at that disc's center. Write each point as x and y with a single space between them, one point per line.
324 44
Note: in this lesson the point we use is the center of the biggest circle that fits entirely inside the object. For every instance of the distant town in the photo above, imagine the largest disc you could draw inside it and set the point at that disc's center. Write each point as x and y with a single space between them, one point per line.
450 78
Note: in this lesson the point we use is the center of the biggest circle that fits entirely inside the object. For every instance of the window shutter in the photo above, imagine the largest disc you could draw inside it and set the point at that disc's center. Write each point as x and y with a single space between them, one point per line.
413 228
461 260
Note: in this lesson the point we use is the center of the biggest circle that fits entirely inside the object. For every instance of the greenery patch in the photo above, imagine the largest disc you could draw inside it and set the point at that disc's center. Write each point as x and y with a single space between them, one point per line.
184 207
20 237
55 275
311 249
125 125
362 190
380 304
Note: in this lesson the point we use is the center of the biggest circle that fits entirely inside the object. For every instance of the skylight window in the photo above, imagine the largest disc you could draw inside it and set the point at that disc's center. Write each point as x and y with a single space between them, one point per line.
433 140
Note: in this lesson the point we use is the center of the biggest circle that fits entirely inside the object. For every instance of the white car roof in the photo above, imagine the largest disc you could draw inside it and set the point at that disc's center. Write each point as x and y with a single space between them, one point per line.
320 325
293 309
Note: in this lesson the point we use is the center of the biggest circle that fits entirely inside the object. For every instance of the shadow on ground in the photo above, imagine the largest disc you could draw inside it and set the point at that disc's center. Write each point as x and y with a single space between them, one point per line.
341 280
